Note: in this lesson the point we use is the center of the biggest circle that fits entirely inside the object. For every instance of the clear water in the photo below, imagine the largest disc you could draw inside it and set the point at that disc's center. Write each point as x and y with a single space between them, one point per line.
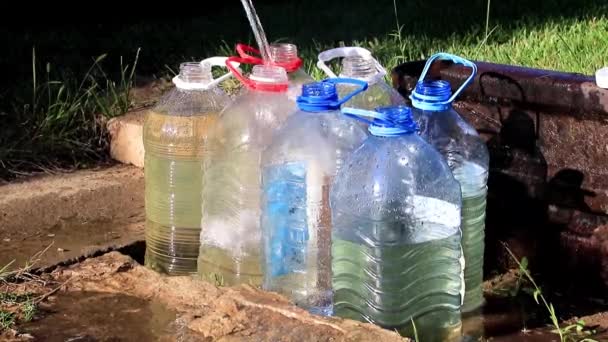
231 241
174 153
297 230
258 30
472 180
219 266
390 274
231 188
468 158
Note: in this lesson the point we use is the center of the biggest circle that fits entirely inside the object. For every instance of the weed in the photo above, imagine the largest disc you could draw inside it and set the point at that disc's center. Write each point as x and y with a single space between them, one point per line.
415 330
28 310
7 319
63 124
570 333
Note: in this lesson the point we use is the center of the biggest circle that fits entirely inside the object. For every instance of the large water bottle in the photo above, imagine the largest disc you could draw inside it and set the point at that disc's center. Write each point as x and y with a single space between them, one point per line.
283 55
467 156
359 63
175 141
396 254
230 251
298 169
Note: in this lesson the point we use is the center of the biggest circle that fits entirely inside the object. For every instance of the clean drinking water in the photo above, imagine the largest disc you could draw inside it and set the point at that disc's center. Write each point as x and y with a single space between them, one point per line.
298 168
397 283
231 187
396 254
468 158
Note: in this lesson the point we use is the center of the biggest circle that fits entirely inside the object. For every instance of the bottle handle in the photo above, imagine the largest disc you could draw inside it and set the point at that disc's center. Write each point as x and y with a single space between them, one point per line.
362 86
220 62
232 64
455 59
381 124
317 103
243 50
346 51
213 61
363 114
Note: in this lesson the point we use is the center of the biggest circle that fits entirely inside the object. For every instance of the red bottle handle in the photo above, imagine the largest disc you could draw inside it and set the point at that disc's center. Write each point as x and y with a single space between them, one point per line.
249 83
244 52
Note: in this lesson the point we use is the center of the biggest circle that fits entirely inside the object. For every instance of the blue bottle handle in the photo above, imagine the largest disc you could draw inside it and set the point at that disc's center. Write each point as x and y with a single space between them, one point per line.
319 104
455 59
381 124
361 114
362 87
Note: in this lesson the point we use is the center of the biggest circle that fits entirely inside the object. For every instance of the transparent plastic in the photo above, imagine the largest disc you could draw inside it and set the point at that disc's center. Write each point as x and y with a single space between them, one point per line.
298 169
230 251
286 54
175 141
378 93
396 255
467 155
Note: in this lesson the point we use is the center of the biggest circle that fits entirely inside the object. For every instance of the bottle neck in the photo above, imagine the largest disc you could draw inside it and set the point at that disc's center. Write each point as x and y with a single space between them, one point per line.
398 122
285 55
318 97
269 78
432 96
358 67
192 72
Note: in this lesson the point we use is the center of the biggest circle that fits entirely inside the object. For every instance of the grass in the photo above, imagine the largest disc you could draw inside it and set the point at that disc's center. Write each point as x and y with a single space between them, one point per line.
17 306
571 333
55 101
13 305
63 123
7 319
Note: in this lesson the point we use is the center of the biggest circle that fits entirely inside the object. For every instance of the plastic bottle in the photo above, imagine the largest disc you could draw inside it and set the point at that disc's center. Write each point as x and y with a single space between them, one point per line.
467 156
283 55
359 63
231 238
175 137
298 168
396 254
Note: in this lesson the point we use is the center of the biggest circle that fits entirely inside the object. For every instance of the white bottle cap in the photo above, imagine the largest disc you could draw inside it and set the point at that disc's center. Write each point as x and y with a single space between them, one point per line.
601 78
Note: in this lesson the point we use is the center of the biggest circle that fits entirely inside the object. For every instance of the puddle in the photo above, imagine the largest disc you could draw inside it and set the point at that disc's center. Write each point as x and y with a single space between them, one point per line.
517 319
67 240
94 316
541 335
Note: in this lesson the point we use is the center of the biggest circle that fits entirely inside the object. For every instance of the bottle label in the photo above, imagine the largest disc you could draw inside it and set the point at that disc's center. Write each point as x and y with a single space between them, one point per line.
285 218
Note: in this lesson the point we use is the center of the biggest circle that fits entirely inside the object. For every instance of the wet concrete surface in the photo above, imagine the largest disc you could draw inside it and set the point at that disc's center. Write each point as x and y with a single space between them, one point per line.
113 298
68 240
95 316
